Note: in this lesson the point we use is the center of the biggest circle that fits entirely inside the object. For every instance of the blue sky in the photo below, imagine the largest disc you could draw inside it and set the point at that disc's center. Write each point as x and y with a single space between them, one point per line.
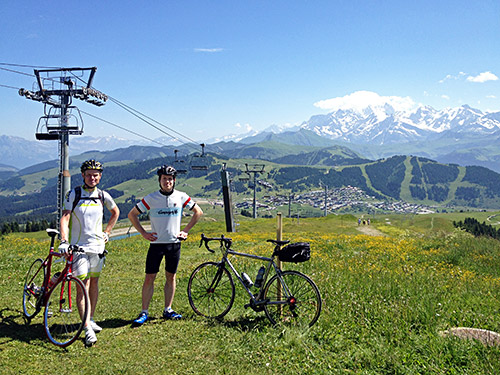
213 68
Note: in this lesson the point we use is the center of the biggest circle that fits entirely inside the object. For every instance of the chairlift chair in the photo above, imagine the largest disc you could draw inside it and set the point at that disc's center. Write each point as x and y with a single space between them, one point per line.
50 126
179 164
201 164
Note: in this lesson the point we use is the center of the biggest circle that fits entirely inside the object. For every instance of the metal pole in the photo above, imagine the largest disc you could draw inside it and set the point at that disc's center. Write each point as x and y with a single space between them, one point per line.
326 194
228 205
65 178
254 197
279 237
289 205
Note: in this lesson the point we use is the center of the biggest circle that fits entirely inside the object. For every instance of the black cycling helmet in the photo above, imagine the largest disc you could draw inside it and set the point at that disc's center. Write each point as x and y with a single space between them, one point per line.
91 165
167 170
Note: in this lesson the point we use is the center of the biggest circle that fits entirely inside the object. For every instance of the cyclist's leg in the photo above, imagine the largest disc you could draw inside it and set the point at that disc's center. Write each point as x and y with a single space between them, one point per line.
96 266
153 260
169 289
172 257
80 269
148 290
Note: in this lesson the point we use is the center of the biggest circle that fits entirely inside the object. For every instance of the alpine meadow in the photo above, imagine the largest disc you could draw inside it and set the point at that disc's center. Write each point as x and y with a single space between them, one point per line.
390 301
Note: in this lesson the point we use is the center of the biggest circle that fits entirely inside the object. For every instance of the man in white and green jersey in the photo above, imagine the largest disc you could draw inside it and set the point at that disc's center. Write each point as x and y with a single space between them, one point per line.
81 224
165 208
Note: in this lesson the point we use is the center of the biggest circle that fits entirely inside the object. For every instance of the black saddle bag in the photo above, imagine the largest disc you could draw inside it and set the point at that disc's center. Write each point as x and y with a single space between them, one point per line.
295 252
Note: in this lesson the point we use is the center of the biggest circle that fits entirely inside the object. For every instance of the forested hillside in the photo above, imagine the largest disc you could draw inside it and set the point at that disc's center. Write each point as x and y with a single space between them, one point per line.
31 196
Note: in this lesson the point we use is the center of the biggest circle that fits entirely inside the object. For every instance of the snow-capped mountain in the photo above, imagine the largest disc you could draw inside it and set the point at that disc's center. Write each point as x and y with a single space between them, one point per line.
384 125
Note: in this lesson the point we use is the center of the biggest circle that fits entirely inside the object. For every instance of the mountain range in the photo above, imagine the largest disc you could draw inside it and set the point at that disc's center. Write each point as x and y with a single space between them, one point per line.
463 135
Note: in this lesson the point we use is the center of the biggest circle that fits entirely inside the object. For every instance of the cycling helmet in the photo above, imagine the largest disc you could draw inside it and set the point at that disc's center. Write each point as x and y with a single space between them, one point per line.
91 165
167 170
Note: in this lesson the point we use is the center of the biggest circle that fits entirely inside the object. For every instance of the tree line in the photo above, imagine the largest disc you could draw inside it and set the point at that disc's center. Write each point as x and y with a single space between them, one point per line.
476 228
29 226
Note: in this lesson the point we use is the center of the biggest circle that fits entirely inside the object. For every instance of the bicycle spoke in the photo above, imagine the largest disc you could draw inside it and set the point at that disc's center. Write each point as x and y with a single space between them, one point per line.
211 296
32 291
295 302
64 316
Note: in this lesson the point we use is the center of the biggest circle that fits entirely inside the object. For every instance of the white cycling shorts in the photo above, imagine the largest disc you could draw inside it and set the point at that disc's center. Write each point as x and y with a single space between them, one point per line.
87 265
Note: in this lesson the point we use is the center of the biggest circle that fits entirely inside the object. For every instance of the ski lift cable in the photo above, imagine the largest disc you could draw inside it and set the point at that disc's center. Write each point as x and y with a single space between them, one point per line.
30 66
147 122
142 117
149 118
122 128
10 87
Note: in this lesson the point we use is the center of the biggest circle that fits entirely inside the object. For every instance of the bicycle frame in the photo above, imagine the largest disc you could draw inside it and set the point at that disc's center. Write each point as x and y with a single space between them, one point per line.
47 264
255 299
288 297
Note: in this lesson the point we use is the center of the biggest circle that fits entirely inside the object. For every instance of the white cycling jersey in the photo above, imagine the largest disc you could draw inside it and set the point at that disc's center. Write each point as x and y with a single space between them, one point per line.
165 213
86 219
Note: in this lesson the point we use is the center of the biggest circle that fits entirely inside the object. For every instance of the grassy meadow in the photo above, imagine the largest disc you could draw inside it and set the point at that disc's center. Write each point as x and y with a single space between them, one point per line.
386 299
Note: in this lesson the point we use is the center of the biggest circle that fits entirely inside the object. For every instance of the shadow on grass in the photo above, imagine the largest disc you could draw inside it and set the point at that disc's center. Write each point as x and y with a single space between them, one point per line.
242 324
114 323
15 327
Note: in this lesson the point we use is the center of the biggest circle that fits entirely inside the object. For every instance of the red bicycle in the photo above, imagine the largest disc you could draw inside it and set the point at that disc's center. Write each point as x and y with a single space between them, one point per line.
64 296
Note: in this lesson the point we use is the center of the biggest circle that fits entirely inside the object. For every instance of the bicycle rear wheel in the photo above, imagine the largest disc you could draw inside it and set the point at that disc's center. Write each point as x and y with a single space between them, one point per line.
211 290
64 319
32 292
296 302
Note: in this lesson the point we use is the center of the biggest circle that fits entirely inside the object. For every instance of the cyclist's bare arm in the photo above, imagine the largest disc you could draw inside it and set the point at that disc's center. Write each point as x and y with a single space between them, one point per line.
133 216
115 213
197 213
64 225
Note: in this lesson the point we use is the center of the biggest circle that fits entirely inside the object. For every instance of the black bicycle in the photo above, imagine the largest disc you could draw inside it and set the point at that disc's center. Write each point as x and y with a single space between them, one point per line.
288 297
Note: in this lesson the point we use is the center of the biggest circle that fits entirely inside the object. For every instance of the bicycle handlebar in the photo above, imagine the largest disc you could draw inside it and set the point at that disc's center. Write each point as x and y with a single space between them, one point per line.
224 241
71 249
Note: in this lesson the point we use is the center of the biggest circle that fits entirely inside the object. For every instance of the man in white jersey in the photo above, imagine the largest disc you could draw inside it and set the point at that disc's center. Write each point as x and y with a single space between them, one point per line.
165 212
82 218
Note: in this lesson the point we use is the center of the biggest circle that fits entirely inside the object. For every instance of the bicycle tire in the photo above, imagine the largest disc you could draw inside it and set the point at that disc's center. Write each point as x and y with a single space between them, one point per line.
63 319
33 289
207 299
301 307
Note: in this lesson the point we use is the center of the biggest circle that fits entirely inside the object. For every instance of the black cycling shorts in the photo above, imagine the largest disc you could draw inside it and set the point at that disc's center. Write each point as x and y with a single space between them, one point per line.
172 253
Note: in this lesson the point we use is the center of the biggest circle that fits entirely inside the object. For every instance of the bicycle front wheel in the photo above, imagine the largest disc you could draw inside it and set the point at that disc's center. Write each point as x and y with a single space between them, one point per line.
211 290
295 301
66 311
32 292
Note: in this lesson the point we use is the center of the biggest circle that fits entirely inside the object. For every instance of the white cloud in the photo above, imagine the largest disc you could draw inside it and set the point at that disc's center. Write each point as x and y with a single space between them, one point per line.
491 96
445 97
360 100
209 50
246 128
452 77
483 77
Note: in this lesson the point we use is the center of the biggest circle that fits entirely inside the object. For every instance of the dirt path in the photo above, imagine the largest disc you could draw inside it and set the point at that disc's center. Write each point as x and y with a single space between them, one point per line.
126 230
370 231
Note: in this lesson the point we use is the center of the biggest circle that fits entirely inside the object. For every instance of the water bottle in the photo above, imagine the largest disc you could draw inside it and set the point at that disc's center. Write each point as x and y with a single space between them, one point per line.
54 279
260 277
246 280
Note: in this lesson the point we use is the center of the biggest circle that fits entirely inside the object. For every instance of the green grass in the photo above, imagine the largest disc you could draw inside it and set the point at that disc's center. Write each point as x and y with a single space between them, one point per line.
385 301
